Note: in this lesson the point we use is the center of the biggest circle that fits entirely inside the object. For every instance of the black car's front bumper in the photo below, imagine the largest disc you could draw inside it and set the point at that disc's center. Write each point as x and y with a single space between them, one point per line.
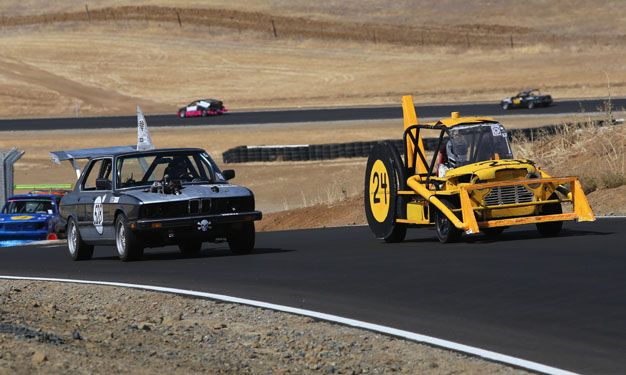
155 232
192 221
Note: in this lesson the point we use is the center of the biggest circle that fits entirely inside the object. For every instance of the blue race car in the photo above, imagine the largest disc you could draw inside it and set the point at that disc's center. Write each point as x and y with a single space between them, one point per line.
31 217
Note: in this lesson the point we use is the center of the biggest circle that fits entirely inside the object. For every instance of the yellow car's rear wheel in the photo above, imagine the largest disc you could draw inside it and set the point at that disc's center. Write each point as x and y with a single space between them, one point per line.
384 176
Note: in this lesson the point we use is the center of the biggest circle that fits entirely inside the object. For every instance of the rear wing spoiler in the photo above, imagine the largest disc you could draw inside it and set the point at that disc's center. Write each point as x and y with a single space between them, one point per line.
86 153
144 142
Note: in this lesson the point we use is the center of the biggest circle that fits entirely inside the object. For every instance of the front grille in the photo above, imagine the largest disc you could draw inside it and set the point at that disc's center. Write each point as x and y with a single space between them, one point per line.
508 195
207 206
229 205
24 226
165 210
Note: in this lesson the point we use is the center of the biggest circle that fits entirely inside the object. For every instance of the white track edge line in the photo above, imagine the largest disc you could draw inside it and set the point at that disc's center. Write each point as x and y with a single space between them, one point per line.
487 354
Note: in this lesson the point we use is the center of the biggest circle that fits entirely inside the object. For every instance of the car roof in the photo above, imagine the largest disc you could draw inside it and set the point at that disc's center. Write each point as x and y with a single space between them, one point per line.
455 119
32 196
157 151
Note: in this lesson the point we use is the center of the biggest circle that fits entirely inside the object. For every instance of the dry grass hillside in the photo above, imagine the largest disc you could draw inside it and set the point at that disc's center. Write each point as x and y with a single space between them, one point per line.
73 63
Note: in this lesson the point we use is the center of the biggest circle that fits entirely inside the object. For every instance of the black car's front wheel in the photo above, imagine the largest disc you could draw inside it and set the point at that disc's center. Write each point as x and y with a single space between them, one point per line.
241 237
77 248
505 106
128 246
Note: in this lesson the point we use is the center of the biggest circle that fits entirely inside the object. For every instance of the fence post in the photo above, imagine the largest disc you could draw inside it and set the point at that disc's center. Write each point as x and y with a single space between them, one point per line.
274 29
180 23
511 37
87 11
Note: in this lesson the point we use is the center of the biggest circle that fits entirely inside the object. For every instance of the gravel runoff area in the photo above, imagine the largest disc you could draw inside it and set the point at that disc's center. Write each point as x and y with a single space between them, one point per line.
48 327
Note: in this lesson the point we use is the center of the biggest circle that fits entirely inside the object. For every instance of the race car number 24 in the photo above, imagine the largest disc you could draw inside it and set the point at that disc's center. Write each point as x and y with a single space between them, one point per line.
379 191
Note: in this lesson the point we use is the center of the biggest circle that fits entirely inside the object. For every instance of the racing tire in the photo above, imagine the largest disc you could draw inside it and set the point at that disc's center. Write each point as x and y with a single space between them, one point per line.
446 231
190 248
531 105
505 106
77 248
181 114
203 113
551 228
385 175
127 244
241 238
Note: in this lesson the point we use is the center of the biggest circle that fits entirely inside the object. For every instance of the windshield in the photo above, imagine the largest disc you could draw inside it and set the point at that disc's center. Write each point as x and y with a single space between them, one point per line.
23 206
473 143
183 166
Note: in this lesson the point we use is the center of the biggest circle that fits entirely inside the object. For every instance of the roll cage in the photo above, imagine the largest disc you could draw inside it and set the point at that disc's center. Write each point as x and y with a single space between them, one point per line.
412 133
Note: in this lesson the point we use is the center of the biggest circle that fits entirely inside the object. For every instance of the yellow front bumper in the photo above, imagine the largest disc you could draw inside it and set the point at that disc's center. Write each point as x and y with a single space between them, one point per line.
582 210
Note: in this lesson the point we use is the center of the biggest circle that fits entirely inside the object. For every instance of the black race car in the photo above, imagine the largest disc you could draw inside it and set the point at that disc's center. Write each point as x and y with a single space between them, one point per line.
203 107
526 99
137 199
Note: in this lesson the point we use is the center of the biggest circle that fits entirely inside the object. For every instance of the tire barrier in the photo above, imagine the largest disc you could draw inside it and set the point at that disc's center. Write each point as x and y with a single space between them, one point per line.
243 154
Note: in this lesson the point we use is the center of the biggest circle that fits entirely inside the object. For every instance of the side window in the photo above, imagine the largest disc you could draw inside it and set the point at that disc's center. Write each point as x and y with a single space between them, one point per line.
89 182
98 169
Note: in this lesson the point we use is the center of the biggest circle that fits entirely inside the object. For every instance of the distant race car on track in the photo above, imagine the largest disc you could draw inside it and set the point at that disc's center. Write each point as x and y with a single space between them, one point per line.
203 107
526 99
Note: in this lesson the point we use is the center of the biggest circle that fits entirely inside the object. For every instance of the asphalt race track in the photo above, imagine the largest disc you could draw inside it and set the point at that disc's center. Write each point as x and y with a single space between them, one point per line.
557 301
303 115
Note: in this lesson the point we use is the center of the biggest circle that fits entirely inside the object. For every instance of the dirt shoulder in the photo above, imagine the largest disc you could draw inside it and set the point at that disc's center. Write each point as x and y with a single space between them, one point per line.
62 328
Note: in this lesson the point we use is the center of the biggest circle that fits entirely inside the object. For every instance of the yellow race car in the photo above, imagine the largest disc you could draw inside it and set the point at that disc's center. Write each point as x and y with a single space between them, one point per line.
470 184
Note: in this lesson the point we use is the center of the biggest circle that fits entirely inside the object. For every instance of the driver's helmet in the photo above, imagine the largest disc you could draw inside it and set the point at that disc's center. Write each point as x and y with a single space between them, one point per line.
456 148
177 168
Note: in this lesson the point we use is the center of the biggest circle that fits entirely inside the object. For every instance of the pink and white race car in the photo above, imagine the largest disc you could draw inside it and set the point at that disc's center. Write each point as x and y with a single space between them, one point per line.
203 107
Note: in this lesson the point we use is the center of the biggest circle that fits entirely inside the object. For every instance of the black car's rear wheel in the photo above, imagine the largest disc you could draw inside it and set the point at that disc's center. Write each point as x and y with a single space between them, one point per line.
241 237
77 248
384 176
505 106
531 105
128 246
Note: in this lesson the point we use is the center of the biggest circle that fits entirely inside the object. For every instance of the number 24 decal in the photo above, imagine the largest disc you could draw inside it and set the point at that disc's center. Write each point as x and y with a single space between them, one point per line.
381 183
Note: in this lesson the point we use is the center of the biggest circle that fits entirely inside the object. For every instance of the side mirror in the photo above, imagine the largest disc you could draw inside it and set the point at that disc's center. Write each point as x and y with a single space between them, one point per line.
228 174
103 184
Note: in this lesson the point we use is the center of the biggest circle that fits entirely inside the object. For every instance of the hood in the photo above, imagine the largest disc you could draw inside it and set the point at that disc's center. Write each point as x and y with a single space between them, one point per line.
486 170
191 192
22 218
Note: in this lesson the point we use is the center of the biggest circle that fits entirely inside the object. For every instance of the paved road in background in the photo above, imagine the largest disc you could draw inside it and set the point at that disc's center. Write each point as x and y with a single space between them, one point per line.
558 301
302 115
